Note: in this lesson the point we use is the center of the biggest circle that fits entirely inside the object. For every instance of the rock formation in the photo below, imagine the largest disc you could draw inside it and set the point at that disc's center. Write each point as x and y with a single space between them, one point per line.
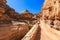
38 15
50 12
51 9
13 32
9 14
26 15
5 11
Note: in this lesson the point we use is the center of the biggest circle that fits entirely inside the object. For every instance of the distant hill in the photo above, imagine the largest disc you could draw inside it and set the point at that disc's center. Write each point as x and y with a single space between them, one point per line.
8 13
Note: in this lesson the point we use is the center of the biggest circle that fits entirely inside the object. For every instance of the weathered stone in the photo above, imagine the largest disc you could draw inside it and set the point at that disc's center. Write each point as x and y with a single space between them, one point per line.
51 8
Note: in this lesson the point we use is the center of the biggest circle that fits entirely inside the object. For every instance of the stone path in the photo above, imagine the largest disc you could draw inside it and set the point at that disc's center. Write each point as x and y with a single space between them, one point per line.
38 34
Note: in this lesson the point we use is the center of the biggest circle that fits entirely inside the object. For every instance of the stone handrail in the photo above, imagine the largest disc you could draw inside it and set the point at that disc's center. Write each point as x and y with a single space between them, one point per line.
31 34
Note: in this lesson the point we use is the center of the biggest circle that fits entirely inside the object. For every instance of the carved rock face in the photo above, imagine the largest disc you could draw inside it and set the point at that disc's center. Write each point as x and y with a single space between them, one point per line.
51 7
3 1
2 10
51 11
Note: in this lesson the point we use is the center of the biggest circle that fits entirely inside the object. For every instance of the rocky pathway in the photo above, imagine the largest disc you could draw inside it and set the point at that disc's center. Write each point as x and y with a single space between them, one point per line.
38 33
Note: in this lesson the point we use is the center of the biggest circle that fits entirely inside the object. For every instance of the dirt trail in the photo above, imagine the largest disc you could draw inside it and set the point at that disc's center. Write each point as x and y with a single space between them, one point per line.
38 34
43 32
48 33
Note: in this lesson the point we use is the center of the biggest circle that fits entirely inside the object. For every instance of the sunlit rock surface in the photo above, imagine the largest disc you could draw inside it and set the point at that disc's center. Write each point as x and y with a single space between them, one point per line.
13 32
49 22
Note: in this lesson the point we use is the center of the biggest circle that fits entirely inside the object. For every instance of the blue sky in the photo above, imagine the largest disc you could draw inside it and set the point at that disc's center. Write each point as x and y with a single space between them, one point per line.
34 6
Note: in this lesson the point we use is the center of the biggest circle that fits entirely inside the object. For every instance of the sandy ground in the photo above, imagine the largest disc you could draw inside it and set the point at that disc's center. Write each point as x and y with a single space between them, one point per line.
48 33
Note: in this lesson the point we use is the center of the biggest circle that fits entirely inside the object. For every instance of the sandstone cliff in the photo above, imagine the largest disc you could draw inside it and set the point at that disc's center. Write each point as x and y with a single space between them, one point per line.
8 13
51 9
